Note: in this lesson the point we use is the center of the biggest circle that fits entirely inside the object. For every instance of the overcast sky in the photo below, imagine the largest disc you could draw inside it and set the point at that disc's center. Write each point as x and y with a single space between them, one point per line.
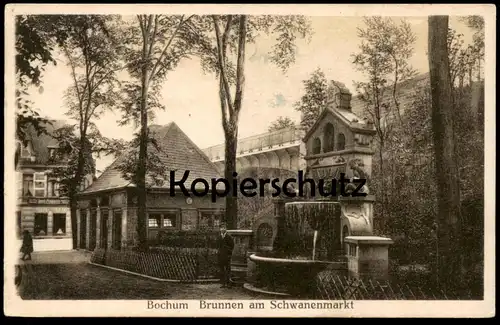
191 97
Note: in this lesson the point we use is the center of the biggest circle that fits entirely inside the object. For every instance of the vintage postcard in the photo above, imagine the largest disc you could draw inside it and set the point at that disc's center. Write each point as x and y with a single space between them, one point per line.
249 160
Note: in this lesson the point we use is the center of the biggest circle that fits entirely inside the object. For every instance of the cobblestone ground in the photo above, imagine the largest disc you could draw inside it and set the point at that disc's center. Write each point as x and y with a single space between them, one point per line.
86 281
79 280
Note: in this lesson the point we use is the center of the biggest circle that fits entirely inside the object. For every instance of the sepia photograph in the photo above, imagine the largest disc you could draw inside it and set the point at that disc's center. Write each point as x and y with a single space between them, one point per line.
231 160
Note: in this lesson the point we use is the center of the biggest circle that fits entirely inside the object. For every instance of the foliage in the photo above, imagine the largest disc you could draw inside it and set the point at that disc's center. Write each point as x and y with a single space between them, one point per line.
314 100
66 157
36 37
35 41
186 239
281 123
408 183
157 171
384 52
224 55
155 45
250 209
68 152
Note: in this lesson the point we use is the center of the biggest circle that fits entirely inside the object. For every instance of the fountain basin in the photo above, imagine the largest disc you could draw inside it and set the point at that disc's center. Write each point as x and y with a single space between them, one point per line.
288 276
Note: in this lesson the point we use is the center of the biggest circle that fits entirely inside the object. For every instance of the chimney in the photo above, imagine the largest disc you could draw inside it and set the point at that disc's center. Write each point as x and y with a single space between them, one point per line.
339 95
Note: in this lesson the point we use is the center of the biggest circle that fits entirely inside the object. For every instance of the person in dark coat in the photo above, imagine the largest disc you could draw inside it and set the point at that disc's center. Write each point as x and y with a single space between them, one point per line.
225 245
27 247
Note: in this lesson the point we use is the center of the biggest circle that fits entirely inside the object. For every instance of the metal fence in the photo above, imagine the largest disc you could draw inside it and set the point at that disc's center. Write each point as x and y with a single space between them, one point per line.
331 286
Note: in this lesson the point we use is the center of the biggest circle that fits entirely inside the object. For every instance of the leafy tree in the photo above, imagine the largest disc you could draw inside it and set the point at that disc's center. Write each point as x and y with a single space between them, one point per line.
225 55
383 57
36 37
314 101
281 123
449 217
91 49
155 45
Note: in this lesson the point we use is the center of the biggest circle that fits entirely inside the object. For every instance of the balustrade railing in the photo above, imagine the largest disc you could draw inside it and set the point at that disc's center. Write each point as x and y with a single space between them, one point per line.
258 142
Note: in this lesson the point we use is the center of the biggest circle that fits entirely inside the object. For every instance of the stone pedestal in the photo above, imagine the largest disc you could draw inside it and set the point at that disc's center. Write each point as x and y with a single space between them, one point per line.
368 257
243 243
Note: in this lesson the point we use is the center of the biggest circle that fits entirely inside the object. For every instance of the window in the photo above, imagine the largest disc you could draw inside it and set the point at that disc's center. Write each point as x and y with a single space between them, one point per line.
341 142
162 220
40 184
154 220
53 188
25 151
59 224
316 146
27 184
52 153
329 137
40 224
170 220
210 220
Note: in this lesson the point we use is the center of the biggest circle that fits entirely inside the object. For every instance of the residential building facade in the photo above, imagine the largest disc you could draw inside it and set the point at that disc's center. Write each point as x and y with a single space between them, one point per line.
41 209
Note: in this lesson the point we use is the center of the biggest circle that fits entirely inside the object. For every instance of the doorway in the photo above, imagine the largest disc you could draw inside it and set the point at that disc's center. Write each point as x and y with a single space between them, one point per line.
83 229
93 229
117 229
104 228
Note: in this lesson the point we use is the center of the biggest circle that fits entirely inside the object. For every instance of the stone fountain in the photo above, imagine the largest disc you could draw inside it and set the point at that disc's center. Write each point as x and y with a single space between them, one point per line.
325 232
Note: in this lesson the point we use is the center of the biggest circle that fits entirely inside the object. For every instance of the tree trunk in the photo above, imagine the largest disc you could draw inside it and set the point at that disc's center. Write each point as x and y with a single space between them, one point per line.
141 167
449 219
383 216
77 180
230 167
73 206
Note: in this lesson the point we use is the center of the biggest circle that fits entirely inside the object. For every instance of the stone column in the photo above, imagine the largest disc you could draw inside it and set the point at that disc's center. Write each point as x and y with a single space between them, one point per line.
87 230
50 223
124 227
98 224
68 223
78 228
110 228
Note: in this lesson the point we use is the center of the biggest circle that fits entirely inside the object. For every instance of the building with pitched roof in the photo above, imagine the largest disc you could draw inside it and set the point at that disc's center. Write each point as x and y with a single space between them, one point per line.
41 209
107 210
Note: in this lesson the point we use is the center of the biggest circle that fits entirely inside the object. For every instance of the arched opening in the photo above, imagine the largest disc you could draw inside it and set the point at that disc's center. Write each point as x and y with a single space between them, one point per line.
316 149
329 138
341 142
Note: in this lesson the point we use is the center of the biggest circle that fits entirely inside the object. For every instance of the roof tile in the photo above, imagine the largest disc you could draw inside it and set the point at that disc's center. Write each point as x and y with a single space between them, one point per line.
176 151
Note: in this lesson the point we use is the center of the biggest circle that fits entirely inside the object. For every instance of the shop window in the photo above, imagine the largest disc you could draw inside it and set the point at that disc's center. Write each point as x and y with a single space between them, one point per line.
40 224
59 224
